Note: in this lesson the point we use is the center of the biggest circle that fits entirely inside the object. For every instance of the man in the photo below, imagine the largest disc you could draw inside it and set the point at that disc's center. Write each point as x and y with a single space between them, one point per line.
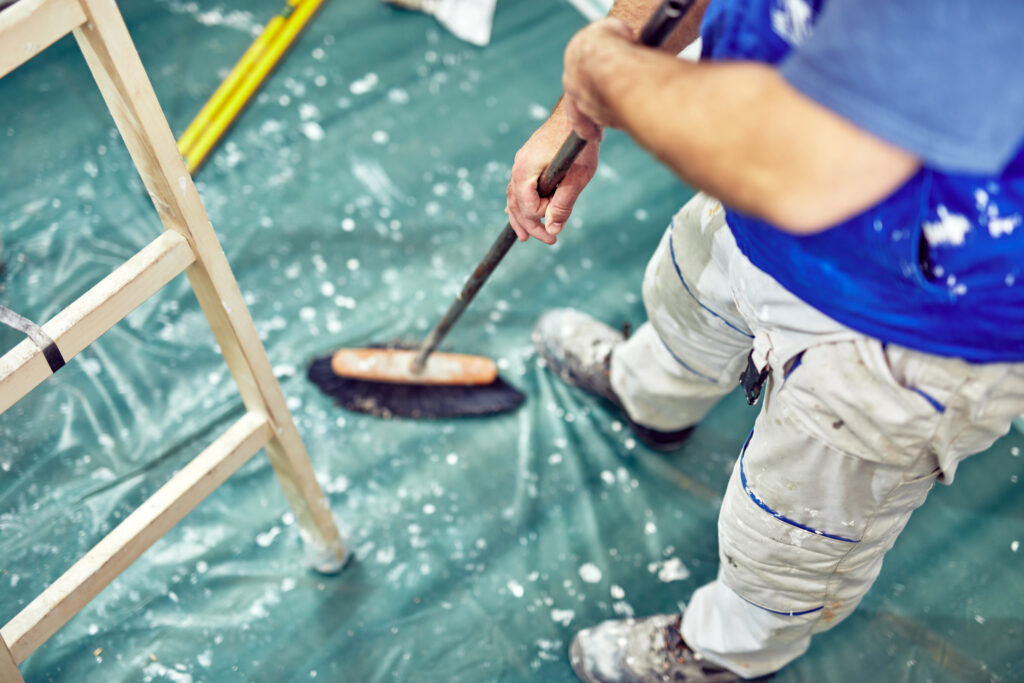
867 265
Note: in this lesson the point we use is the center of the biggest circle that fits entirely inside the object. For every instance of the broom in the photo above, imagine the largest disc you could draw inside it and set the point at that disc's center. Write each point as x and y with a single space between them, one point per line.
394 380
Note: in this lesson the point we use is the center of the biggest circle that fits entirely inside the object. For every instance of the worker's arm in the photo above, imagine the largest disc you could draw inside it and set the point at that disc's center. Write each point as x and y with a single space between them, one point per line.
736 130
526 208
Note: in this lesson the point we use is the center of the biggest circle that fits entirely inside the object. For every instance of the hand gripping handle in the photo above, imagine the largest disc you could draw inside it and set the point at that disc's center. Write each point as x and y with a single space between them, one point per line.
660 25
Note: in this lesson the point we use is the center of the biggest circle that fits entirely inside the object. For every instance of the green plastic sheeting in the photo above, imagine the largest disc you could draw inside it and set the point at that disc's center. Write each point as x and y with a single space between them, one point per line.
352 198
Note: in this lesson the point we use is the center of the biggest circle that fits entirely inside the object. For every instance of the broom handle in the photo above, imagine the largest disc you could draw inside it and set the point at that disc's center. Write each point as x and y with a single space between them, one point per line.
655 31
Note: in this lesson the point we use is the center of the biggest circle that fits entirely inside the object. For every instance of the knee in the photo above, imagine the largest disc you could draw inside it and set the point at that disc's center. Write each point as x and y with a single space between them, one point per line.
790 570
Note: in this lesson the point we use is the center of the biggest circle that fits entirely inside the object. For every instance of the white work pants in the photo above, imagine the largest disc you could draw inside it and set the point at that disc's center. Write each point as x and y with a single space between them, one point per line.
851 436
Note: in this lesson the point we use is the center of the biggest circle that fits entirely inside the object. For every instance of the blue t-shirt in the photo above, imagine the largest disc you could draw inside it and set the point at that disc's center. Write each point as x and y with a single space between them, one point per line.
939 265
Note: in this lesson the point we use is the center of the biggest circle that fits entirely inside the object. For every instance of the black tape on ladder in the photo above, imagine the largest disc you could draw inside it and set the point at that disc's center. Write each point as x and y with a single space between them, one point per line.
49 348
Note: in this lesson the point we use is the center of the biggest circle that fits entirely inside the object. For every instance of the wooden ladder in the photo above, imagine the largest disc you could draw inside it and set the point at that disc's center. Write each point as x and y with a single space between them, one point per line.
187 244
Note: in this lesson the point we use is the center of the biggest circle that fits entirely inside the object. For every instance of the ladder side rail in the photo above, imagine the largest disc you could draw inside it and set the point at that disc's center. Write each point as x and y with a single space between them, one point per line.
115 64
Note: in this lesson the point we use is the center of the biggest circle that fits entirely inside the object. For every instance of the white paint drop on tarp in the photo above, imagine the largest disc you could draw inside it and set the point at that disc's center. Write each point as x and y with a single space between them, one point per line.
376 180
313 130
590 573
364 84
562 616
671 569
155 670
308 111
264 540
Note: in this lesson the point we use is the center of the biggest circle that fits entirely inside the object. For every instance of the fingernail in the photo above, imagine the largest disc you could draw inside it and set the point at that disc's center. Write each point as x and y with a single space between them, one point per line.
554 228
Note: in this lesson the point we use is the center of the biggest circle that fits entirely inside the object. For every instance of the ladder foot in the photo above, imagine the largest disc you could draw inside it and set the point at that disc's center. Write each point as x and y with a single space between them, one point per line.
322 558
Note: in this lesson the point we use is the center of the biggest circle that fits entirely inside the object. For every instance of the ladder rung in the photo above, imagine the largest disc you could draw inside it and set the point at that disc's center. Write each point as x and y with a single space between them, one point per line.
111 299
30 26
42 617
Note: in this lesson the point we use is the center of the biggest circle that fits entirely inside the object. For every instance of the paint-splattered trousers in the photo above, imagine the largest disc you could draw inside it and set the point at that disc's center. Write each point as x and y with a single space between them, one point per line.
851 436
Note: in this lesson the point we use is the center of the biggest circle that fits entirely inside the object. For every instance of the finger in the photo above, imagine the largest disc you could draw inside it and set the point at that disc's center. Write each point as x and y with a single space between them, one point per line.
527 205
537 231
521 234
562 202
523 184
526 226
526 202
513 220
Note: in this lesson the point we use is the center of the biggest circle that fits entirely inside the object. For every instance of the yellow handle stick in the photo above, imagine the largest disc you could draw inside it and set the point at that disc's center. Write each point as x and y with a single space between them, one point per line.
245 79
238 71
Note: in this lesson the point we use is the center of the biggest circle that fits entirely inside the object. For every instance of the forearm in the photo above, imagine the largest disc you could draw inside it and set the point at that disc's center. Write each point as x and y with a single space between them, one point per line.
739 132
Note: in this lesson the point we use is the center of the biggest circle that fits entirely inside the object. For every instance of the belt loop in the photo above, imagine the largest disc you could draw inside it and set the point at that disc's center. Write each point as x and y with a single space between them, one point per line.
753 379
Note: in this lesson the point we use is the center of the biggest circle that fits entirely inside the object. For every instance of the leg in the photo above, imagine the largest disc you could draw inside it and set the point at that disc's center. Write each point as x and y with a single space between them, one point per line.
845 449
692 349
669 374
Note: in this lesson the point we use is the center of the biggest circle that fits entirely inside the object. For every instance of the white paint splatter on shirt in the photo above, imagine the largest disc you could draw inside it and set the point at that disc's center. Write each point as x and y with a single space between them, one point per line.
1002 225
951 228
791 21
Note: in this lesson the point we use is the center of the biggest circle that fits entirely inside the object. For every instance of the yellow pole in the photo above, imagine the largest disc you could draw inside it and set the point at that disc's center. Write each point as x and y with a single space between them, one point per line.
243 82
238 71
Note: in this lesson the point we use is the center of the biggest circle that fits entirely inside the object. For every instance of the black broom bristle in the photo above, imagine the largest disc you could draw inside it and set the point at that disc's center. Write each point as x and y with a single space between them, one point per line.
385 399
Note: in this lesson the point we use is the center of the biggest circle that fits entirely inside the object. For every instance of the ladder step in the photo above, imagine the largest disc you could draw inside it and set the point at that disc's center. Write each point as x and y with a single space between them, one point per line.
42 617
30 26
24 367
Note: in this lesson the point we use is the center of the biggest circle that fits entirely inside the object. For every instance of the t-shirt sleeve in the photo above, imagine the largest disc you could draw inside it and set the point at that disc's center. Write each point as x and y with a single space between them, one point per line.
943 79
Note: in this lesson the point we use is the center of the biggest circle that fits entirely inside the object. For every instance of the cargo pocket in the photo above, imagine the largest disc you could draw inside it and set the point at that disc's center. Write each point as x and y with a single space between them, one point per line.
846 396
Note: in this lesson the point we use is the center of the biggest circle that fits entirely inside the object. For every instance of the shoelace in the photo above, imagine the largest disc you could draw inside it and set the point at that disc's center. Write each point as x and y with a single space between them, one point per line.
675 646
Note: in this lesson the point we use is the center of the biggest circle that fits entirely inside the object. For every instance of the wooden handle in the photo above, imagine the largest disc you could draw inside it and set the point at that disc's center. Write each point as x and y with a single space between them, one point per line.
655 31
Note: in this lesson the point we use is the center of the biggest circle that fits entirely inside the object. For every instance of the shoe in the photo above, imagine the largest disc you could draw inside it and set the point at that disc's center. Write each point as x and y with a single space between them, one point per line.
641 651
658 440
578 348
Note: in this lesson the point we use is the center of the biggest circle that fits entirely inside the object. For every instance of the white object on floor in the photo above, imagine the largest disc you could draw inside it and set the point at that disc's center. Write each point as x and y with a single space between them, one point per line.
469 20
592 9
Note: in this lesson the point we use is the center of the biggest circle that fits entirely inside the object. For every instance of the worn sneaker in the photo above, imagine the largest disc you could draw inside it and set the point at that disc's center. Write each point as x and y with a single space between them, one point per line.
578 348
645 650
